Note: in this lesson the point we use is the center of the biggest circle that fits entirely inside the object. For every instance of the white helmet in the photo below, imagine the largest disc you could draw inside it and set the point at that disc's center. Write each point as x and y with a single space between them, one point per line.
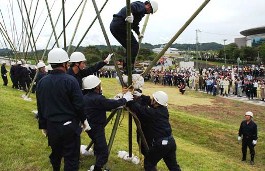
90 82
154 5
249 114
48 67
57 56
161 97
77 57
19 62
40 65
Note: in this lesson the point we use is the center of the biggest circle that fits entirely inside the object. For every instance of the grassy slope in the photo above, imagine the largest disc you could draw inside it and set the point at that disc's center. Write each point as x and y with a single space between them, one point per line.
205 129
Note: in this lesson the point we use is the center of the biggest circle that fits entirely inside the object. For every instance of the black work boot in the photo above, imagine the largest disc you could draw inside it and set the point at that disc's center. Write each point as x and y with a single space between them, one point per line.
244 157
252 159
97 168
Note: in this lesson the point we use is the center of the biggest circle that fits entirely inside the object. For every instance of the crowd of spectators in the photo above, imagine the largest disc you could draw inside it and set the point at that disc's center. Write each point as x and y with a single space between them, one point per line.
246 81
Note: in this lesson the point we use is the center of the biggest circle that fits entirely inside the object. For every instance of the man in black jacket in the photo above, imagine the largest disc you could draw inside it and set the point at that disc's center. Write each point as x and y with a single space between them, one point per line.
118 24
60 110
163 143
3 73
248 129
78 67
95 109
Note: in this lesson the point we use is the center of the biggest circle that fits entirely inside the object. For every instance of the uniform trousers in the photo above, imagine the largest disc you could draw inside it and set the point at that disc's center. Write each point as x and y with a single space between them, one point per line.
64 141
158 151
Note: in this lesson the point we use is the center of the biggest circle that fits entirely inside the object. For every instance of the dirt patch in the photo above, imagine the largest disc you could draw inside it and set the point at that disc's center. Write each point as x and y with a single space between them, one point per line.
222 109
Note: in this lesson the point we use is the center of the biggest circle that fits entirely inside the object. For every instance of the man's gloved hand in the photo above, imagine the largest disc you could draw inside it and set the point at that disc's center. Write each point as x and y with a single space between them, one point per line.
44 132
254 142
140 36
137 93
86 126
108 58
129 18
239 138
118 96
128 96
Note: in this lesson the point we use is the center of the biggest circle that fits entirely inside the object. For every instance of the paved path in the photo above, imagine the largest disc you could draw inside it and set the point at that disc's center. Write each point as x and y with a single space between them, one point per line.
242 99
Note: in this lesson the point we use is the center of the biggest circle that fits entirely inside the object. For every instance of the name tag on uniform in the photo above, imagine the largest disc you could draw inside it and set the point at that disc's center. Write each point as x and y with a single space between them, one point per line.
67 123
164 142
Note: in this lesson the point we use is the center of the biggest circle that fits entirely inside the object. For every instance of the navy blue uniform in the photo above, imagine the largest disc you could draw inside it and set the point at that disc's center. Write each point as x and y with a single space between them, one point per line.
163 144
3 74
250 133
95 109
40 75
119 30
145 124
85 72
13 76
60 110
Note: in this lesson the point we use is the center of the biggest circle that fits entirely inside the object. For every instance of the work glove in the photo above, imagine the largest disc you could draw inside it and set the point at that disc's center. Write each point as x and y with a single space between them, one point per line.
137 93
140 36
108 58
118 96
86 126
254 142
129 18
44 132
128 96
239 138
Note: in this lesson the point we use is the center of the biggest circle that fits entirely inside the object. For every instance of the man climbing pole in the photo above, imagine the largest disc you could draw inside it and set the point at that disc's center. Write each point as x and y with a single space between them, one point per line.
118 24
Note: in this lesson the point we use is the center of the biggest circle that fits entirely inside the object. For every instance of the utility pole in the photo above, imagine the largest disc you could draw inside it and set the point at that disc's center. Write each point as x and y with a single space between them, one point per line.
224 51
197 47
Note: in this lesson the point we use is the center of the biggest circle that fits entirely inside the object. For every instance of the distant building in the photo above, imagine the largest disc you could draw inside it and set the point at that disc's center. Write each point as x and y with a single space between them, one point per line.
173 51
241 42
254 36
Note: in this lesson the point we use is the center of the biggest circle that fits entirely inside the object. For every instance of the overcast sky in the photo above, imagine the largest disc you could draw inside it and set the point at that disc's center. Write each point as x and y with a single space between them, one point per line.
219 20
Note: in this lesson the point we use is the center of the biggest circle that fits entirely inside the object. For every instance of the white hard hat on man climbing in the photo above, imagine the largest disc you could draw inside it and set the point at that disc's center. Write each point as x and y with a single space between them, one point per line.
57 56
90 82
161 97
249 114
154 5
77 57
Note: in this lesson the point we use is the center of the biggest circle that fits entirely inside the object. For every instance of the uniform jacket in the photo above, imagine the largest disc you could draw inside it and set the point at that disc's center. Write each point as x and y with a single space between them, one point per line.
96 105
59 99
249 131
85 72
138 12
157 117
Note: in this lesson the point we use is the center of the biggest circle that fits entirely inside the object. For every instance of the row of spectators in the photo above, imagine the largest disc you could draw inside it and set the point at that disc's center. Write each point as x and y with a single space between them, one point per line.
216 81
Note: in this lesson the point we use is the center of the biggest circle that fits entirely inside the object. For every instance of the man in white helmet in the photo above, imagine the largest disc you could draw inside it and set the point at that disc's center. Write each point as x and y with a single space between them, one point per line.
78 67
163 143
60 110
41 73
248 129
4 73
95 109
118 25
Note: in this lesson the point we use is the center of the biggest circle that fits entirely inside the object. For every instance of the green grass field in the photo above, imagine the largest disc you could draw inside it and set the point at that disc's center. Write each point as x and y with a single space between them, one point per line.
205 129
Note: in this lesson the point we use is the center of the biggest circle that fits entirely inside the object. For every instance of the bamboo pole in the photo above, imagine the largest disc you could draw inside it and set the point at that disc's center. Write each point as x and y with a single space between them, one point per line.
142 32
77 24
64 33
68 22
129 71
54 32
108 42
175 37
84 35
